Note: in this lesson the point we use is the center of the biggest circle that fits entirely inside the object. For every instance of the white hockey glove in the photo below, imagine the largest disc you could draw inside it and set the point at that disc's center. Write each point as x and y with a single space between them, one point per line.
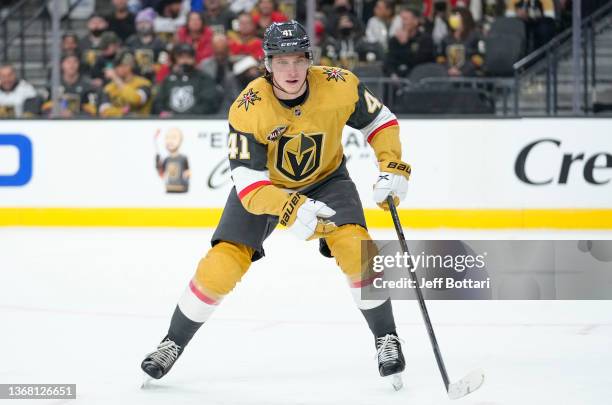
305 217
393 181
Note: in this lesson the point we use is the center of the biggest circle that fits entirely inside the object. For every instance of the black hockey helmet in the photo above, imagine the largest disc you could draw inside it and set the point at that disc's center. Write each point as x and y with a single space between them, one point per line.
285 37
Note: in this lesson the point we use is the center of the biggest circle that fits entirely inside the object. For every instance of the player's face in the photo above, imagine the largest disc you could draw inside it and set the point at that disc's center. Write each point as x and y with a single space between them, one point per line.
290 70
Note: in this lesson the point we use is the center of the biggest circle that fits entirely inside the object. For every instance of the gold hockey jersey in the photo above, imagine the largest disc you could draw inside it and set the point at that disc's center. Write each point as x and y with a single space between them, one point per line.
273 147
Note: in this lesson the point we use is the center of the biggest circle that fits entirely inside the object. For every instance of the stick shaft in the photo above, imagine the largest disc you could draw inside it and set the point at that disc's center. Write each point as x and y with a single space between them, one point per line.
419 293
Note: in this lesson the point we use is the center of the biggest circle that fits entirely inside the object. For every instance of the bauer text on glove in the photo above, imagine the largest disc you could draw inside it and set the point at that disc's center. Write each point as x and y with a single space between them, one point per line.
392 181
306 218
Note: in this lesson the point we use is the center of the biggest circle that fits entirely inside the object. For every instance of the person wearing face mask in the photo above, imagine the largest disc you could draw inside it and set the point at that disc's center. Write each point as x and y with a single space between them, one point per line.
109 47
90 44
343 9
186 91
149 50
460 50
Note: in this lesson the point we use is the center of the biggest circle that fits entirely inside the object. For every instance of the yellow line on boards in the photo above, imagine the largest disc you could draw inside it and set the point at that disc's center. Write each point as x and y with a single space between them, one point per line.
376 218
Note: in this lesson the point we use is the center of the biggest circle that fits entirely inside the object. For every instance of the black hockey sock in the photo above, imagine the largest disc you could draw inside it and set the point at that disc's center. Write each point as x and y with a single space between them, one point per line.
182 328
380 319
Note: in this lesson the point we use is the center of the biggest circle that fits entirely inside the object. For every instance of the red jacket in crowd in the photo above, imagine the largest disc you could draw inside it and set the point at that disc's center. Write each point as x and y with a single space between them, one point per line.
252 47
203 47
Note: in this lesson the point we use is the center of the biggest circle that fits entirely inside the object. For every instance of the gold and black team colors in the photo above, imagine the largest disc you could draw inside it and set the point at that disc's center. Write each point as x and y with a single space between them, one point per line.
272 146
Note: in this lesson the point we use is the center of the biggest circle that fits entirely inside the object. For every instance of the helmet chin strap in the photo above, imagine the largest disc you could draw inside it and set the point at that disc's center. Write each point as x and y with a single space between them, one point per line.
275 84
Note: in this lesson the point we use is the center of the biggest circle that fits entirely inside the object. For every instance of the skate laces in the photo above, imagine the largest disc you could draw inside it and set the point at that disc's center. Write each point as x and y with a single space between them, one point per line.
388 348
166 354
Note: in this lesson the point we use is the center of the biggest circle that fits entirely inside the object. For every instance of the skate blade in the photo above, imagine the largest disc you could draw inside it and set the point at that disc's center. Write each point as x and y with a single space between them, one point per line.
146 379
466 385
396 381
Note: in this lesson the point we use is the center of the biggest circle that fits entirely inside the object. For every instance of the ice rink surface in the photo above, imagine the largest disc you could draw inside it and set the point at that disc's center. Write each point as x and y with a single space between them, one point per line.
85 305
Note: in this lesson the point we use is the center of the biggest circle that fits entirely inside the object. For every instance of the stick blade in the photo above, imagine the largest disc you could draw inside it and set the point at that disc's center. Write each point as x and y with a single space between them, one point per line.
466 385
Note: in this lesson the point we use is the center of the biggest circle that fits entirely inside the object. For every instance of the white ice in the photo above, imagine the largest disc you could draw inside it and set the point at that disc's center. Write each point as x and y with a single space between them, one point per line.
85 305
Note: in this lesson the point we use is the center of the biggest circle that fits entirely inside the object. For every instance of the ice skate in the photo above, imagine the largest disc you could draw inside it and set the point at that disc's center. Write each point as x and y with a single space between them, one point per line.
158 363
390 359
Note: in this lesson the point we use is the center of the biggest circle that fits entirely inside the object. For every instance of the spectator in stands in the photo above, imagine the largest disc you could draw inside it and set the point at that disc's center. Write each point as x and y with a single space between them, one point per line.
383 24
187 91
90 44
126 93
245 42
460 50
486 11
13 93
109 47
342 9
164 70
170 16
220 69
242 6
266 12
77 96
148 50
348 40
436 22
197 34
70 44
121 20
218 16
410 46
246 70
539 18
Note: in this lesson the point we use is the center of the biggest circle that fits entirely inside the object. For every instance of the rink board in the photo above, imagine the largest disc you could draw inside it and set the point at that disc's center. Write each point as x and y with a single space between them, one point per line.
529 173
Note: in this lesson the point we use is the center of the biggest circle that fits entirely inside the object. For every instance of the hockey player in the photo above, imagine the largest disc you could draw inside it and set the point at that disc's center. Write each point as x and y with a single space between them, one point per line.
287 165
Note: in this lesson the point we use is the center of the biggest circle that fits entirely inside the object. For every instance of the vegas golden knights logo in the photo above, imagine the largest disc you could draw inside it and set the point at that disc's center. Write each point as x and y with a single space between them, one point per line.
299 156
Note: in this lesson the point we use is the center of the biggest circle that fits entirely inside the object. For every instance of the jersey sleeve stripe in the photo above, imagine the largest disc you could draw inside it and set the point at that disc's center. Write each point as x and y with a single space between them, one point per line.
247 179
242 193
384 115
380 128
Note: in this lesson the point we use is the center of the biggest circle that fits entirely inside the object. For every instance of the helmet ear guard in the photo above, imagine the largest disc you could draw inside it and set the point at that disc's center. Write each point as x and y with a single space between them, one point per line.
267 64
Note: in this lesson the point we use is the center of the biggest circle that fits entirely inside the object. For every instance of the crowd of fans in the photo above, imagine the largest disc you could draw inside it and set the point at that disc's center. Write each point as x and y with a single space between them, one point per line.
183 57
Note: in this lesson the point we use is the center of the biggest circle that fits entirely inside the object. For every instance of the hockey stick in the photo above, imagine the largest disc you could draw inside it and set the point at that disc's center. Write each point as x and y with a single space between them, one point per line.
467 384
